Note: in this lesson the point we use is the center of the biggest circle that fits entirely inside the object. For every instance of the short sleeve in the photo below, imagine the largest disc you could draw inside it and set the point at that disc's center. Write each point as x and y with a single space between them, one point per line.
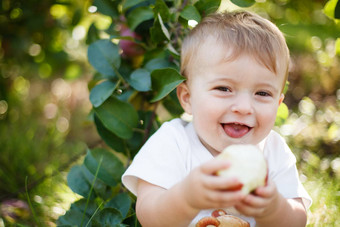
161 160
282 169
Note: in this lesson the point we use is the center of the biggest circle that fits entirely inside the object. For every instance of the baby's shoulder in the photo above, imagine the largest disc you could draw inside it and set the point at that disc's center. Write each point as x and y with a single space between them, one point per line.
170 132
277 150
175 126
274 139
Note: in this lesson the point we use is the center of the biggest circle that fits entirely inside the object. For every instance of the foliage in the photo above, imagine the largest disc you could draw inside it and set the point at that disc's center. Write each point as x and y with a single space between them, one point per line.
137 61
35 37
22 156
332 9
135 81
322 213
38 73
34 144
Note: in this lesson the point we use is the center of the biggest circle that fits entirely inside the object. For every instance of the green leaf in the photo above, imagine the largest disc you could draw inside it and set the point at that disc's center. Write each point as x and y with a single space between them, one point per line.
172 104
104 56
130 3
329 8
108 217
121 202
206 7
78 182
117 116
190 13
109 138
157 32
150 125
164 81
126 95
101 92
107 7
157 63
332 9
78 14
172 49
164 29
99 187
337 10
139 15
111 168
162 9
131 220
140 79
71 217
92 34
243 3
80 206
136 142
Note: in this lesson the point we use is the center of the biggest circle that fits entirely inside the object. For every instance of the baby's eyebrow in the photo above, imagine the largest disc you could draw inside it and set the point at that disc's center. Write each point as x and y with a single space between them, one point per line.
222 79
269 86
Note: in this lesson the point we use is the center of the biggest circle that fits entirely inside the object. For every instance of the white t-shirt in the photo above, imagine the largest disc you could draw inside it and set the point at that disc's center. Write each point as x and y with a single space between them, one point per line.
174 150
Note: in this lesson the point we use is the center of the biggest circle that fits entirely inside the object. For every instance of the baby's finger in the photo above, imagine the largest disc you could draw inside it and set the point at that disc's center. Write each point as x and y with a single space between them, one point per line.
247 210
214 165
222 183
266 191
220 199
254 201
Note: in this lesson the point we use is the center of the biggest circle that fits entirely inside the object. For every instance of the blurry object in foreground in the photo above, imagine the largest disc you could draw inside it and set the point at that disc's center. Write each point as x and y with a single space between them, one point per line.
13 210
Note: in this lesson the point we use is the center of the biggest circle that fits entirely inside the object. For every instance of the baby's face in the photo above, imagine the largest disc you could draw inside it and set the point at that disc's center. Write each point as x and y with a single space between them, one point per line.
232 102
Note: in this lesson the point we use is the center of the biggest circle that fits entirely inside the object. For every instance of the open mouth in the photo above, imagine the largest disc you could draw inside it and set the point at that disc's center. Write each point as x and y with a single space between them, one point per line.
236 130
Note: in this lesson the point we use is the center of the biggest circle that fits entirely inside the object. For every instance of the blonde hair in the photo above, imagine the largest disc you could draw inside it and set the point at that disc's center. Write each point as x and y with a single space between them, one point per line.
244 33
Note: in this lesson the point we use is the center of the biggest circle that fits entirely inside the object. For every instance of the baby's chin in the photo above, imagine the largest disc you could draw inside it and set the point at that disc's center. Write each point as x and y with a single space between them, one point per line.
215 146
221 147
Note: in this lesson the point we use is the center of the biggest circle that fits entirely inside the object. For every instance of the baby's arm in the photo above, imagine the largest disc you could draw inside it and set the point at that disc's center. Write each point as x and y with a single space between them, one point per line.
177 206
270 208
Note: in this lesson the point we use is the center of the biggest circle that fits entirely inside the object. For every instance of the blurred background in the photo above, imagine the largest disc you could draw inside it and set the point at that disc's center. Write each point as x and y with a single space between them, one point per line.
44 103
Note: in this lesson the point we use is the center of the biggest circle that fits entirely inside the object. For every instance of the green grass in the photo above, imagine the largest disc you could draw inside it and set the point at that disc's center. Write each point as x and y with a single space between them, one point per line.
325 192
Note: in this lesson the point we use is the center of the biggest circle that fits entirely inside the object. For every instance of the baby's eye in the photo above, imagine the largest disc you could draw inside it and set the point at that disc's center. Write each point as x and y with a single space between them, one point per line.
263 93
225 89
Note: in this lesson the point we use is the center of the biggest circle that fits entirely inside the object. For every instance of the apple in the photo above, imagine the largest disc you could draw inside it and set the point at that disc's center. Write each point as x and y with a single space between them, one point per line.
130 48
248 165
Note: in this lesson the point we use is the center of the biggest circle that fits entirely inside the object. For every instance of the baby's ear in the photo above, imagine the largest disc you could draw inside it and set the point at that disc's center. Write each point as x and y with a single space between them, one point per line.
183 94
282 97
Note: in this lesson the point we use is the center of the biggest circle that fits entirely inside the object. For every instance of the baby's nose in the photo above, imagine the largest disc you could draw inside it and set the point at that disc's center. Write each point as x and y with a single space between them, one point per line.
243 104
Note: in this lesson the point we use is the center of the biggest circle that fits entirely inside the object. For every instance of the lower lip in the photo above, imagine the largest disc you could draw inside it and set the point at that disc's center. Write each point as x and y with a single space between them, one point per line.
235 131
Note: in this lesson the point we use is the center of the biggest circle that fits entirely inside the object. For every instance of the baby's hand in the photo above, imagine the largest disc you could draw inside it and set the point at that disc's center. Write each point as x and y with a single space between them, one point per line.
262 203
204 190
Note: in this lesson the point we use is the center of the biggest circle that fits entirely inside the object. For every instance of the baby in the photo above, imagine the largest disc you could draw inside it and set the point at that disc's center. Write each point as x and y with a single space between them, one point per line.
236 66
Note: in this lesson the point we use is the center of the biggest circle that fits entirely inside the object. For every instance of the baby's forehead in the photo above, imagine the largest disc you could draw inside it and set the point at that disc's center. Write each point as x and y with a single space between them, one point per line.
214 51
210 49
